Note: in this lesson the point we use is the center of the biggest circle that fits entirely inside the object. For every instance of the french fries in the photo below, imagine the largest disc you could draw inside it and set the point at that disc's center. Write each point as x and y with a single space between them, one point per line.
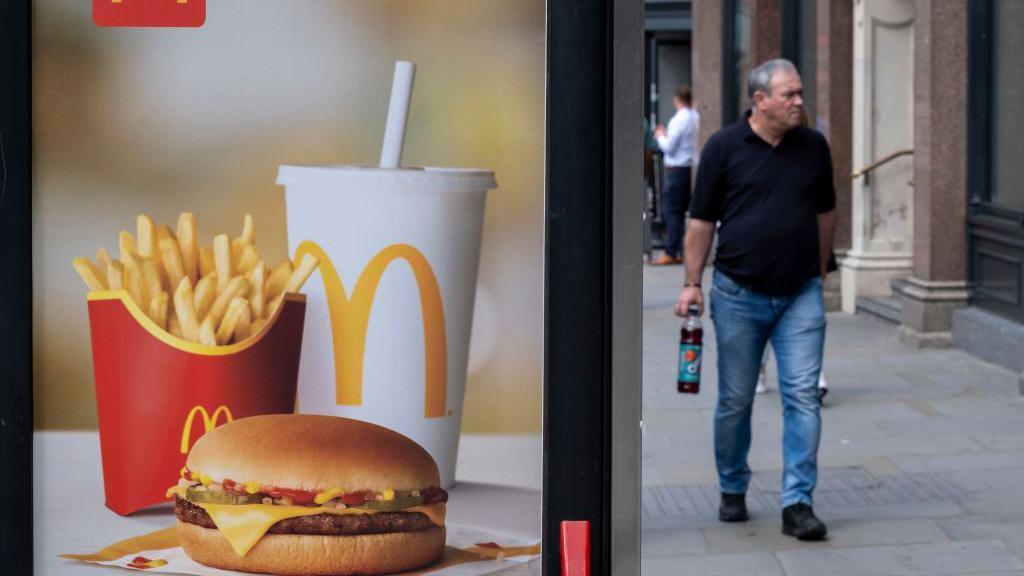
90 273
102 258
158 309
206 334
206 261
170 254
205 292
189 245
145 229
115 275
222 261
278 279
186 310
214 295
233 319
238 287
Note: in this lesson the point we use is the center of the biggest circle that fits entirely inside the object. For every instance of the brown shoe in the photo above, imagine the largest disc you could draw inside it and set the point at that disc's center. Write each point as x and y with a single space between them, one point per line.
665 260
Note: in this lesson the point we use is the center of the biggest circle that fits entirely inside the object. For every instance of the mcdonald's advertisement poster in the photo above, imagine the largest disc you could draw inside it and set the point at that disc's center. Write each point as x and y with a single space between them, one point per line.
200 256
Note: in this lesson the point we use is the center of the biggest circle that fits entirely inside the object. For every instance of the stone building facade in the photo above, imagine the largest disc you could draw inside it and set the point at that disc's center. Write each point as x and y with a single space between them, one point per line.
920 101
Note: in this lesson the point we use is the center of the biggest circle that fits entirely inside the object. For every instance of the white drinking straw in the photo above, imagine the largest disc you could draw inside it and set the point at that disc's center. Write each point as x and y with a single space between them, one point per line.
398 113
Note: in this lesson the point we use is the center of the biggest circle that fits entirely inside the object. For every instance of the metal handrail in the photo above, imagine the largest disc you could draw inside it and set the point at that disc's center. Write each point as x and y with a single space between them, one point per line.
868 169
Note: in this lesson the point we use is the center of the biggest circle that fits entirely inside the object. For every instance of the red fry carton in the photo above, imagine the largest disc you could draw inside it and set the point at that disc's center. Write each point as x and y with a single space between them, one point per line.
157 393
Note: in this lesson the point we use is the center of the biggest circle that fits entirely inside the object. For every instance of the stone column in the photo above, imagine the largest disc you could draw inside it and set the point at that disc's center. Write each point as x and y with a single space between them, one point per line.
835 103
765 31
937 286
834 39
707 66
883 93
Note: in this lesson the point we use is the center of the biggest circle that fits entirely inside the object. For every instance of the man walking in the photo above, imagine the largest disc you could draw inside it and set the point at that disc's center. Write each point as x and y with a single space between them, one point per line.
767 181
679 144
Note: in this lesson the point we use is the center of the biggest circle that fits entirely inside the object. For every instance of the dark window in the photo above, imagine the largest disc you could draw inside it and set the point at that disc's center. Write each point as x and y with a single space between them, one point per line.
736 61
1007 185
995 156
800 46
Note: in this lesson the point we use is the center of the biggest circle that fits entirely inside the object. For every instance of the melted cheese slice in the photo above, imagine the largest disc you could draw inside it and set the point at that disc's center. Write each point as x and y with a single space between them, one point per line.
244 524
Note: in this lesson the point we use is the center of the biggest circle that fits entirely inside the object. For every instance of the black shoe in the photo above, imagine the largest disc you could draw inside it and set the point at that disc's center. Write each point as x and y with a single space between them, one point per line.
800 522
733 508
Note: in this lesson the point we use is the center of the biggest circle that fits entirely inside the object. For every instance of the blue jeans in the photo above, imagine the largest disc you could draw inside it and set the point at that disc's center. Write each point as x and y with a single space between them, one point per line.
744 322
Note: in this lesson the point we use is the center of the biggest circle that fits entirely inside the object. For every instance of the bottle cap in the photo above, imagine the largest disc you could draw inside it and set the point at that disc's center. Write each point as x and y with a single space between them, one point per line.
693 309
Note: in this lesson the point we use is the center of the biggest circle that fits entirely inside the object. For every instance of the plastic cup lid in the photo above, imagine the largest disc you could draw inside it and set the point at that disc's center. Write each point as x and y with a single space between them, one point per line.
440 179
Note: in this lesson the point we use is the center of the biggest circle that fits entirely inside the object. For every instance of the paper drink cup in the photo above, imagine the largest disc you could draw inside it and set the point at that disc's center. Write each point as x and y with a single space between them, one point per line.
391 304
156 394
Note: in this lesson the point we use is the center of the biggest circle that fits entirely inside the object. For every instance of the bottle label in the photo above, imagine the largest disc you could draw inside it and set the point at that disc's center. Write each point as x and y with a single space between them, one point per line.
689 363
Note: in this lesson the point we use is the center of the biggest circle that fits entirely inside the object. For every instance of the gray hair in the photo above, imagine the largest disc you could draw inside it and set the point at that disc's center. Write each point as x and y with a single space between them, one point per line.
760 78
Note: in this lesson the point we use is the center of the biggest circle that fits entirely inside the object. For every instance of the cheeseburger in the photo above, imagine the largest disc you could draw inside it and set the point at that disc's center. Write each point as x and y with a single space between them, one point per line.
302 494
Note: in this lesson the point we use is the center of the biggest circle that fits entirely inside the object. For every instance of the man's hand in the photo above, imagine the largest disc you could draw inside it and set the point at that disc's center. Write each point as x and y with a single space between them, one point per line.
659 131
690 295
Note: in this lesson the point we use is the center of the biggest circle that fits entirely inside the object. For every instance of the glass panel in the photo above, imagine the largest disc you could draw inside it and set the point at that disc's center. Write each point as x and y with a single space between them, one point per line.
673 71
447 289
1007 113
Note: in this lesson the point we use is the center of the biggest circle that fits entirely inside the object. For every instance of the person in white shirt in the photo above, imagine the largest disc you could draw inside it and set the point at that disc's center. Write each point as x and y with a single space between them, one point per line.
679 145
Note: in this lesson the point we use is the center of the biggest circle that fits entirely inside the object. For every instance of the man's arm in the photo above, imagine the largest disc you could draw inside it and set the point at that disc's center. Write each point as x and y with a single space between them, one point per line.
826 233
669 140
699 234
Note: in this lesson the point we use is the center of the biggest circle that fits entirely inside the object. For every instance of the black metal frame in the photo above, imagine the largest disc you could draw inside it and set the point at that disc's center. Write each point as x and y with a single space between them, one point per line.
580 275
730 91
577 361
16 287
993 231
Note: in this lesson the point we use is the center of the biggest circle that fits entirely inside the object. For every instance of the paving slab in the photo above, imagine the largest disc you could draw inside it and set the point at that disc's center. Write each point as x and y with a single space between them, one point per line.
920 456
908 560
673 542
762 564
767 537
976 460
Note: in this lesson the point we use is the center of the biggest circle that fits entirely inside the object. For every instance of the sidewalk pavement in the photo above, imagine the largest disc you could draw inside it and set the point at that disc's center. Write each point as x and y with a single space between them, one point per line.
920 464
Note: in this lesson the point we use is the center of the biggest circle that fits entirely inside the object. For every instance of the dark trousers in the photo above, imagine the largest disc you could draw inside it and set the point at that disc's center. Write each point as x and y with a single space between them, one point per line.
675 199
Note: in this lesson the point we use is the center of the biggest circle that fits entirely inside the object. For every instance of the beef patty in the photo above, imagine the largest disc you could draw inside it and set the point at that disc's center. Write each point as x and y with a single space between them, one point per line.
321 524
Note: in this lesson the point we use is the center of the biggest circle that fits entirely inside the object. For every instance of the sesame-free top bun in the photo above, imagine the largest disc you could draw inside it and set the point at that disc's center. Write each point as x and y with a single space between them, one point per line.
308 452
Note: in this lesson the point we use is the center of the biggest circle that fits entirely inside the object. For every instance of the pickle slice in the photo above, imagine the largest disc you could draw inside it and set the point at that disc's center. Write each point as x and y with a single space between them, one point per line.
399 503
193 494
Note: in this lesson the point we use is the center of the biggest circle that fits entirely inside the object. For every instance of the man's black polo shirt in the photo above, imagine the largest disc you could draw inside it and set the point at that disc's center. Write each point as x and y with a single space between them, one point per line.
767 200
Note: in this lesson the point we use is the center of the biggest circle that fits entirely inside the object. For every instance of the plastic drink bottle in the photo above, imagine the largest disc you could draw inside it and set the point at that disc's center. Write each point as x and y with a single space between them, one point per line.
691 338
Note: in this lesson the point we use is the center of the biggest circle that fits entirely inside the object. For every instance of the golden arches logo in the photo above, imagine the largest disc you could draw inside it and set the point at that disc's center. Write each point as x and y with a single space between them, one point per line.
209 423
350 318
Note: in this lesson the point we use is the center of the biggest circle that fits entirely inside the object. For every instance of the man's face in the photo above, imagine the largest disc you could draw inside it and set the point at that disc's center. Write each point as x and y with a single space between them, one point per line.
784 106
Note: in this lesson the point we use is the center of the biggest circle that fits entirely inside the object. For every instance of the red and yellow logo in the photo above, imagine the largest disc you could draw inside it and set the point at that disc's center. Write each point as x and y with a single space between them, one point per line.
209 423
149 13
